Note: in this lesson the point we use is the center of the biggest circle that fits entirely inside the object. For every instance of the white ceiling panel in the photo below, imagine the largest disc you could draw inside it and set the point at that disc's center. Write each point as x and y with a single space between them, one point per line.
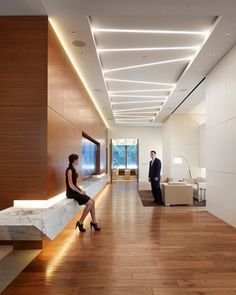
82 17
165 73
112 60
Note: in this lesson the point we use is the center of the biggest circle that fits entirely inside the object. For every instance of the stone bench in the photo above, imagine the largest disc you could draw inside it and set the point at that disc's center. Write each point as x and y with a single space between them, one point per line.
36 224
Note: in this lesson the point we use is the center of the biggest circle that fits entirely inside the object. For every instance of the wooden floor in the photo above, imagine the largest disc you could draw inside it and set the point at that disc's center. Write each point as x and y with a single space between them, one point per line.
140 250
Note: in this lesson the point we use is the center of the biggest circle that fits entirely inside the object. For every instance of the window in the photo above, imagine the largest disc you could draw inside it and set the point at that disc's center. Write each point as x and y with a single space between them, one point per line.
124 157
89 156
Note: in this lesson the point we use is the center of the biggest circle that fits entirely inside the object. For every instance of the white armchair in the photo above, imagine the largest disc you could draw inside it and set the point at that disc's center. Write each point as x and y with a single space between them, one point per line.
177 193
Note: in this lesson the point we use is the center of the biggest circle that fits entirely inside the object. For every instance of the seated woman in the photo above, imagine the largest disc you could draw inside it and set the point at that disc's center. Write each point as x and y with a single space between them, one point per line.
74 192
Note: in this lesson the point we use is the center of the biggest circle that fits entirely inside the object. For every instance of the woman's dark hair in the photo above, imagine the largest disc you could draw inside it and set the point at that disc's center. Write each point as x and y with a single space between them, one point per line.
72 158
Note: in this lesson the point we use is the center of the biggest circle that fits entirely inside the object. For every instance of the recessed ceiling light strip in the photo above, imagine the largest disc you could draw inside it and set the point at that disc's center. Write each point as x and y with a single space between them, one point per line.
148 64
141 101
134 91
141 82
135 119
207 35
94 30
117 113
134 109
142 96
102 50
133 116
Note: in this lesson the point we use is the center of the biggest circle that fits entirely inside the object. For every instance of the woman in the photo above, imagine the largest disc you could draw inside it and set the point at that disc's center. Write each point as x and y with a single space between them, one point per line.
74 192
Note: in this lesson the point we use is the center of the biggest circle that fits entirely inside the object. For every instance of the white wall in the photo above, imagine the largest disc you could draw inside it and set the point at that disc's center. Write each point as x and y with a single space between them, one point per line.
221 139
203 146
181 137
150 138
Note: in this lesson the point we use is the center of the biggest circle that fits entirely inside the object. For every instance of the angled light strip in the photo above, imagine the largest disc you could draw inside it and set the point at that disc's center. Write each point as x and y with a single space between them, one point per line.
117 113
133 116
101 50
134 109
148 65
149 31
134 91
145 96
141 101
141 82
135 119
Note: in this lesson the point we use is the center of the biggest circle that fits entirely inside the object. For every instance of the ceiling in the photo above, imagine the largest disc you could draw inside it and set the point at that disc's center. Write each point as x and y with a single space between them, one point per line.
141 59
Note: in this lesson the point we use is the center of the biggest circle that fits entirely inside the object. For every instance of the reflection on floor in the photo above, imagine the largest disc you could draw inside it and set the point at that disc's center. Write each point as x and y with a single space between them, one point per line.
140 250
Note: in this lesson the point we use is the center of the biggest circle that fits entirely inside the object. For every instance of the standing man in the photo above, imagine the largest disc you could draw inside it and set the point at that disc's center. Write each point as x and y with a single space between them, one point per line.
154 177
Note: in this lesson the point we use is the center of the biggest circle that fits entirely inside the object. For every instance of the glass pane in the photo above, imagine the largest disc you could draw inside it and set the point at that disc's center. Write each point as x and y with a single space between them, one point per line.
132 162
89 152
118 156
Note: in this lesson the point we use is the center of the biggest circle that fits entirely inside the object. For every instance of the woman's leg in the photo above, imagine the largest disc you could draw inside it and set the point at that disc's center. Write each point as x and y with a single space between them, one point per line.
92 212
89 205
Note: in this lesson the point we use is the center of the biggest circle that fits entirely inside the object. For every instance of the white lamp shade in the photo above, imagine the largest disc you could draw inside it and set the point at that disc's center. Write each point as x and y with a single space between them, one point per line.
178 160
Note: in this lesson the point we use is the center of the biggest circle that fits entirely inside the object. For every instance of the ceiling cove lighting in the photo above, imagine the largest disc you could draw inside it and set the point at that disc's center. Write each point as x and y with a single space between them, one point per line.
94 30
144 96
141 101
141 82
149 64
101 50
134 91
63 43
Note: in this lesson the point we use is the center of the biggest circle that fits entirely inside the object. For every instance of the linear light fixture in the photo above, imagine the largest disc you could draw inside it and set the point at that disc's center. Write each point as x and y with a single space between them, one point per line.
101 50
141 82
143 96
134 109
141 101
94 30
132 116
117 113
149 64
135 119
134 91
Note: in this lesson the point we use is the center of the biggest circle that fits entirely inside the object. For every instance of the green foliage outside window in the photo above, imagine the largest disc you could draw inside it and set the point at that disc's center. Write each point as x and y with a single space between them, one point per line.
124 156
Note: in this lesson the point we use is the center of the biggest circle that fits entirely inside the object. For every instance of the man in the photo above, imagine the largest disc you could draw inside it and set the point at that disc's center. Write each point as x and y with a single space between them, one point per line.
154 177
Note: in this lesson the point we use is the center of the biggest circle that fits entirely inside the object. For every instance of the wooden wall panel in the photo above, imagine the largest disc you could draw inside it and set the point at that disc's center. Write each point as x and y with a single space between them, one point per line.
44 109
23 59
22 154
23 108
71 112
63 139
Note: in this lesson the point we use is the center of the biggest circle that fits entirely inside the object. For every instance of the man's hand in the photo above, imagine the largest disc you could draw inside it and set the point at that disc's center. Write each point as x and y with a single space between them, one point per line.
156 178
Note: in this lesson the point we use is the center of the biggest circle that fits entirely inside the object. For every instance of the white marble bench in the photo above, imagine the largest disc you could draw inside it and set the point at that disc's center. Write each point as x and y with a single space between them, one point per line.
32 224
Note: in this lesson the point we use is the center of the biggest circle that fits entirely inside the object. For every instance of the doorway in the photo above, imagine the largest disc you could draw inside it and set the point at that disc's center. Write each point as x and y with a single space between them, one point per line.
124 159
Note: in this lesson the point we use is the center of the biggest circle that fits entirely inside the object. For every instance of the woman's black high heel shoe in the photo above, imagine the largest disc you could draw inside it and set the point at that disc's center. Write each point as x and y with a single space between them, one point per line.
80 226
95 226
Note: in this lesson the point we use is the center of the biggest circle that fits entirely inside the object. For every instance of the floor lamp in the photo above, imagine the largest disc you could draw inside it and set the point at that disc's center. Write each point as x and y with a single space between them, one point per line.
179 160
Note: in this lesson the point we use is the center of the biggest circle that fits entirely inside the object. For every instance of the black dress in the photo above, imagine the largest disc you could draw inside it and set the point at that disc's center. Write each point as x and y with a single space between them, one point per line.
70 193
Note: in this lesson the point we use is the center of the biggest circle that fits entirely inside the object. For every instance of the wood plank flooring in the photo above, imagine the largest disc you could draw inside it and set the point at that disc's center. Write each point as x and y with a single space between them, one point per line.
140 251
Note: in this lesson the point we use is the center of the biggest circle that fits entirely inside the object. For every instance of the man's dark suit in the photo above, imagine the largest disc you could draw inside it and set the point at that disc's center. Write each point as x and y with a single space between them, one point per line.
154 172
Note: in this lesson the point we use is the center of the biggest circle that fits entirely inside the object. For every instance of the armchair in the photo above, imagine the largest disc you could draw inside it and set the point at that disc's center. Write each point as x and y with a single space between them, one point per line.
177 193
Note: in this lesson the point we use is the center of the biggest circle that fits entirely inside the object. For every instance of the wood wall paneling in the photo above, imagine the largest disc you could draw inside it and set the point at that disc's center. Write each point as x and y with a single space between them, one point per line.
44 108
23 101
23 59
71 112
22 153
